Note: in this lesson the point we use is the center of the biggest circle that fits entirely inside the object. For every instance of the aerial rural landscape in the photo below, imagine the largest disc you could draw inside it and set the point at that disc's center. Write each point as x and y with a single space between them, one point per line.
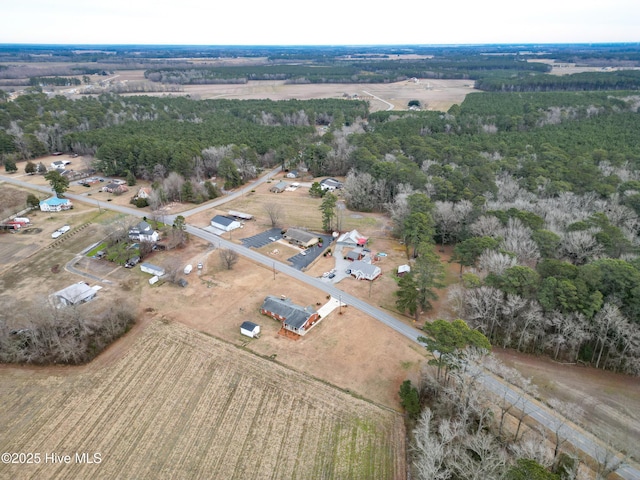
341 262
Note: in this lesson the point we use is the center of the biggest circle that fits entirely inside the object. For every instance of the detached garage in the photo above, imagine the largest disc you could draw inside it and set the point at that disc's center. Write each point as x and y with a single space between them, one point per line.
250 329
224 223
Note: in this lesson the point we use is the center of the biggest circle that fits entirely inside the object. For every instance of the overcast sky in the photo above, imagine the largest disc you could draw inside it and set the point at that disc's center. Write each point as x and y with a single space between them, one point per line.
326 22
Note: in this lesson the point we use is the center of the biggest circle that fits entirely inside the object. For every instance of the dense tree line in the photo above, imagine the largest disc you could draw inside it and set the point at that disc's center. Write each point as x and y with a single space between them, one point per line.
460 429
54 81
588 81
340 70
43 335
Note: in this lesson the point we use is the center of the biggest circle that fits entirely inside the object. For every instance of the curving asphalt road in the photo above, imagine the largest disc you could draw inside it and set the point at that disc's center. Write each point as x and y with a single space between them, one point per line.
546 417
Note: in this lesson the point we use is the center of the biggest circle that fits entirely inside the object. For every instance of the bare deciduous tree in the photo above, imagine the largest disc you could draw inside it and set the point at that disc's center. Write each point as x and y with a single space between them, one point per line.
228 258
275 213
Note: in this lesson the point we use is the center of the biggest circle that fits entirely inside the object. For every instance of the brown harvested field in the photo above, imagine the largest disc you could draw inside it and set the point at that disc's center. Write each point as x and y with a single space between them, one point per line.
433 94
180 404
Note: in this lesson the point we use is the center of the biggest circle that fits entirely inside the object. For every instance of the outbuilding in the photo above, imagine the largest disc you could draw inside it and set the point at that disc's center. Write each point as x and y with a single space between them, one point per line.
225 224
250 329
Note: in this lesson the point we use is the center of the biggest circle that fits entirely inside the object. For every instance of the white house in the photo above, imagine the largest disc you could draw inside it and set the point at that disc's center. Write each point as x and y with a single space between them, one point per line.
59 164
364 271
74 294
292 174
152 269
55 204
352 239
250 329
225 224
143 232
330 184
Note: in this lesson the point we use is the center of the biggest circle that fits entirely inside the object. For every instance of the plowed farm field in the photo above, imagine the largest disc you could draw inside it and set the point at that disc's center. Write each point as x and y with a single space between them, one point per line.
180 404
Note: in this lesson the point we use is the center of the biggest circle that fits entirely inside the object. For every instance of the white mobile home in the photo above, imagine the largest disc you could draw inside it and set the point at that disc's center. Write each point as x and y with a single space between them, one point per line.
152 269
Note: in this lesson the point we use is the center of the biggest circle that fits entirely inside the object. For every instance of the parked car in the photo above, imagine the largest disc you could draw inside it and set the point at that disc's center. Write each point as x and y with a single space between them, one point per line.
187 269
133 261
200 265
303 253
331 275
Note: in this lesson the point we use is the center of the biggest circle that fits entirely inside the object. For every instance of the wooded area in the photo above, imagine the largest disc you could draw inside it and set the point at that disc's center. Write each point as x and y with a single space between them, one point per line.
538 191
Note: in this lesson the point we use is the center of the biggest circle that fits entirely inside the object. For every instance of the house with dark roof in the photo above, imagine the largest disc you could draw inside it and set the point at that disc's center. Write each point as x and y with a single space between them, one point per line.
356 254
225 224
143 232
330 184
301 238
295 318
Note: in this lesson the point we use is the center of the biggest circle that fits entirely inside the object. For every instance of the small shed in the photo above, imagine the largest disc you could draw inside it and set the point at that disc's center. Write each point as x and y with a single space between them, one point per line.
152 269
250 329
403 270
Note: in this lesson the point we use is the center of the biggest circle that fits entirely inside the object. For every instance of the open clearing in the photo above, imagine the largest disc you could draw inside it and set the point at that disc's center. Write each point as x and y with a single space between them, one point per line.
180 404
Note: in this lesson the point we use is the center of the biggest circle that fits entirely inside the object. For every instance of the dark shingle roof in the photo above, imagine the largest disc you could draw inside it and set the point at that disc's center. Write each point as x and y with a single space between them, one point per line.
222 220
295 315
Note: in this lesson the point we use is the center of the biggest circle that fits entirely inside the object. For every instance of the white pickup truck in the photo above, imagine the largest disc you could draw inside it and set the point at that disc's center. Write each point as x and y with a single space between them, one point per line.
60 231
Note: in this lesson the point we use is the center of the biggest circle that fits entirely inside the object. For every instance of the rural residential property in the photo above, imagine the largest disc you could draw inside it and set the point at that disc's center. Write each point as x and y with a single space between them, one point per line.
352 239
301 238
279 187
152 269
143 232
55 204
330 184
295 318
364 271
74 294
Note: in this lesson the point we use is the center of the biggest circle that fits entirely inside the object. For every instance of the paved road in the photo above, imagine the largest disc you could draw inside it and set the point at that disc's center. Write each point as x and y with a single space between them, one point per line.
543 415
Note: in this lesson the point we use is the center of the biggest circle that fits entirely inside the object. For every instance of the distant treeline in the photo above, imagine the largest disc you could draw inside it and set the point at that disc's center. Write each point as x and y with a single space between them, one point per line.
587 81
341 71
54 81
